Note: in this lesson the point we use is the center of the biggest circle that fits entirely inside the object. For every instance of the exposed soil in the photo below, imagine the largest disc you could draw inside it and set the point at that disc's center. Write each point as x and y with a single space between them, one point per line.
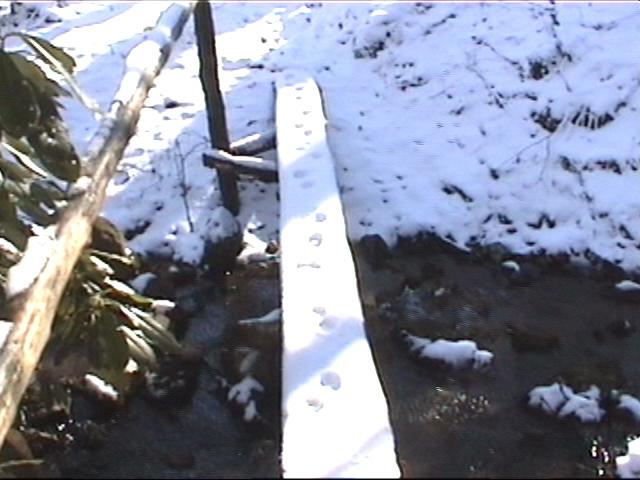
549 323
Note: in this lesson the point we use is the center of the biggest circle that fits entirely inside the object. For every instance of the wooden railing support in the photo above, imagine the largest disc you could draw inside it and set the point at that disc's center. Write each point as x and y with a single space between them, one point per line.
219 136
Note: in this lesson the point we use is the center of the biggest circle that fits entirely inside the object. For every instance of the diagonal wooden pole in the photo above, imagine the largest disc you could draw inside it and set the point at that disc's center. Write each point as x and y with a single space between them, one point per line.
36 283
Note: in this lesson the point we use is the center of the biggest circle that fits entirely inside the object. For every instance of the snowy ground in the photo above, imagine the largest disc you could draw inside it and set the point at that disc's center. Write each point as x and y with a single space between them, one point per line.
511 123
481 122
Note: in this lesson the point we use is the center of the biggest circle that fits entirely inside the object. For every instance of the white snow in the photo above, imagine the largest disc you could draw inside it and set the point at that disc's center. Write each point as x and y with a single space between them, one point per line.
628 466
332 398
631 404
511 265
273 316
444 142
558 399
99 387
441 118
628 286
242 394
456 353
140 282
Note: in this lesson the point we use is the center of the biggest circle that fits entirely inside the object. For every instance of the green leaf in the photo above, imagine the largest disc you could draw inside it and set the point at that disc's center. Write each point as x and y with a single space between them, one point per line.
108 346
23 153
46 194
42 84
61 61
56 154
10 227
19 110
13 171
36 212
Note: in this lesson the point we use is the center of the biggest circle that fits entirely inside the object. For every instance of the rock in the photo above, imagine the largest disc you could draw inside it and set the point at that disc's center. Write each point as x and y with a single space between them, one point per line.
220 252
106 237
173 383
519 274
374 250
625 291
622 328
497 252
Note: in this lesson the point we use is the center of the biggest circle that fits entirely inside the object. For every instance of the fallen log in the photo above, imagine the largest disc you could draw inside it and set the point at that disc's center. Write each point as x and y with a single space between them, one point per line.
36 283
265 170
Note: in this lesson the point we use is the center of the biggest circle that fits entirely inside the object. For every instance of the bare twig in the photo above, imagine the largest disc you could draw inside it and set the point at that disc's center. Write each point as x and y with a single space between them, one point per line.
182 178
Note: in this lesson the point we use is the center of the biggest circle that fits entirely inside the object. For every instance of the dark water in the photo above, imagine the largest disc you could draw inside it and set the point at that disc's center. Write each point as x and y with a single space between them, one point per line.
203 437
550 325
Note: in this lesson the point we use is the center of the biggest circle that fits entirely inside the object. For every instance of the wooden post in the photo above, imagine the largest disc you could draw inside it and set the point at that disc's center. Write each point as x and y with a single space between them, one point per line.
205 34
36 283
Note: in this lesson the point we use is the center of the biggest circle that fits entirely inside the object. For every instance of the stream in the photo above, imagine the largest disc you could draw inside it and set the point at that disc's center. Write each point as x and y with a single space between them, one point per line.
549 322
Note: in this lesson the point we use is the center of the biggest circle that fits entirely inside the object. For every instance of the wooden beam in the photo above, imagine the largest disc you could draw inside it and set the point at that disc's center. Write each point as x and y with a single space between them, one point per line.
255 144
36 283
335 417
219 136
265 170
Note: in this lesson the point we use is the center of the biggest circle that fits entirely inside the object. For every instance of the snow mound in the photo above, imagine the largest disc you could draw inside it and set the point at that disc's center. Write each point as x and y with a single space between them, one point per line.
458 354
628 466
558 399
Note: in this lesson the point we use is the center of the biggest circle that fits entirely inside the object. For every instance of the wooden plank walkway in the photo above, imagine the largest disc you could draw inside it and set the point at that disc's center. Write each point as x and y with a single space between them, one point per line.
335 416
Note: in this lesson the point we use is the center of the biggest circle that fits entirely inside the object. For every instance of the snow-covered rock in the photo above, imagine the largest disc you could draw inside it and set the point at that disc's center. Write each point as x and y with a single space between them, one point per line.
456 353
558 399
628 466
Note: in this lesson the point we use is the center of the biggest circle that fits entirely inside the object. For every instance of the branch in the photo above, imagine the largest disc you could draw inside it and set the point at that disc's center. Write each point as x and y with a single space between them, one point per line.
254 144
265 170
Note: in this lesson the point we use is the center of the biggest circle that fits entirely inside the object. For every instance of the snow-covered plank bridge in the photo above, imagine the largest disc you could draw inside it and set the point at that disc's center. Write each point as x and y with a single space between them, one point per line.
335 417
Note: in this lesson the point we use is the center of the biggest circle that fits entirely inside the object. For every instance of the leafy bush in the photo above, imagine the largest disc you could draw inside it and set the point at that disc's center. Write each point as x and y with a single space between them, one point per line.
101 324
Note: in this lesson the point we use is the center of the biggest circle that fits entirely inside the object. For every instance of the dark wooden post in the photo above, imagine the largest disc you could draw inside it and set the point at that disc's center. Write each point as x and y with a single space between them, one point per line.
205 34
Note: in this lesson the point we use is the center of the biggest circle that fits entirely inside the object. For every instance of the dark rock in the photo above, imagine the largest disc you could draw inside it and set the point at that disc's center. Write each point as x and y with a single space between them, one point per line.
374 250
220 253
616 294
173 383
497 252
622 328
272 247
519 274
430 271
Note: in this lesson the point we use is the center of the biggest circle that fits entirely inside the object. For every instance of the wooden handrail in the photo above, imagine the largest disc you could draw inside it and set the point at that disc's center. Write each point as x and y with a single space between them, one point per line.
36 283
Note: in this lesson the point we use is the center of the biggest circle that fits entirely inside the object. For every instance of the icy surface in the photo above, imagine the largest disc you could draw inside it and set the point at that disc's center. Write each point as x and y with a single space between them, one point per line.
335 418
